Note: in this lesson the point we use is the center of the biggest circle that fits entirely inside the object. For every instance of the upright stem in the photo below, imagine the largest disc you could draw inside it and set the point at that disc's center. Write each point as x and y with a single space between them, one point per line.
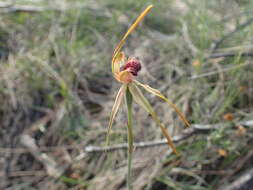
129 101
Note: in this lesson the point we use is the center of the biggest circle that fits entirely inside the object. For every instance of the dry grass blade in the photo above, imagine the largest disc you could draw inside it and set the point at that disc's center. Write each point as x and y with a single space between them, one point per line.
143 102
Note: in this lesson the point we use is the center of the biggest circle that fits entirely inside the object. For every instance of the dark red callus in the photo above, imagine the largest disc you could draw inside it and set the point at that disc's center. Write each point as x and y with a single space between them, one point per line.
133 65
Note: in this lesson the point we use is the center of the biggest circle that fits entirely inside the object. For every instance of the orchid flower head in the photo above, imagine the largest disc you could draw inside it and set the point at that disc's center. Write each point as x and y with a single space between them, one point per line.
124 71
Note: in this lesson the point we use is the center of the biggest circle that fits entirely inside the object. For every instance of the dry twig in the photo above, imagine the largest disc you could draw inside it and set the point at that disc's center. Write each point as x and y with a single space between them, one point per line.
230 54
49 163
226 36
242 183
194 129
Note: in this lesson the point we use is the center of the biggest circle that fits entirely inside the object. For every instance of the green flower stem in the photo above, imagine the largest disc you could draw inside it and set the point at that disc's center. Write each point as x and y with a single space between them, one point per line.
129 101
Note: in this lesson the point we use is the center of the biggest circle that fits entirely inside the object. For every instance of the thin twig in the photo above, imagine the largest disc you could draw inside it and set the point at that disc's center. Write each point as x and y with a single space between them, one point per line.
194 129
188 40
242 182
25 173
214 56
42 148
238 166
24 8
7 4
49 163
217 72
11 6
240 27
230 54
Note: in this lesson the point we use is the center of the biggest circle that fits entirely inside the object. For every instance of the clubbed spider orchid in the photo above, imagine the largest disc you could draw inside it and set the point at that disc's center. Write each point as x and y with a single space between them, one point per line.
124 71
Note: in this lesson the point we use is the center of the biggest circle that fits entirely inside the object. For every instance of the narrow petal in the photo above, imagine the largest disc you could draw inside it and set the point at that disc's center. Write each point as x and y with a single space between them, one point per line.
117 62
140 99
115 109
132 27
160 95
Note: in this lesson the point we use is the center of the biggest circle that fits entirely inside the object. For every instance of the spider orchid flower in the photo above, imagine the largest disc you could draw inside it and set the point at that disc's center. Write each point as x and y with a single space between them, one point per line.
124 71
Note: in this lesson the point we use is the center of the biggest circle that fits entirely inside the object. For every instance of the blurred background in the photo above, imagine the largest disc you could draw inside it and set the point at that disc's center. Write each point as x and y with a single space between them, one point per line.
57 91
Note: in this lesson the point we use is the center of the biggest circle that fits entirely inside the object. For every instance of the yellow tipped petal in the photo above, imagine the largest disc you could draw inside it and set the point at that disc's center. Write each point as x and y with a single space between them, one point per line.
132 27
160 95
117 62
115 109
140 99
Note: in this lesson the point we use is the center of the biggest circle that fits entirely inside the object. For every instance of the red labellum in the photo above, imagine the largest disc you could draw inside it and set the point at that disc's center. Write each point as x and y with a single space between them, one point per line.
133 65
